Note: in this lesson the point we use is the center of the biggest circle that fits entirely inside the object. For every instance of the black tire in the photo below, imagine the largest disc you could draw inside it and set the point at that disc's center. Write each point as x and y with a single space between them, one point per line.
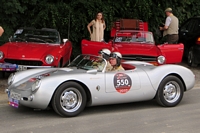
191 58
69 99
170 91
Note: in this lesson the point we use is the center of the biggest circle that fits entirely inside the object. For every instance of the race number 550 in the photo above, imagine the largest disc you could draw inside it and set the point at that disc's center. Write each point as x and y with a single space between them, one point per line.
122 82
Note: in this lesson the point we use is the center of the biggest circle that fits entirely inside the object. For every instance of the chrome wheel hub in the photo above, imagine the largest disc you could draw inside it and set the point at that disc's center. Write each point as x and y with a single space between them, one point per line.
171 92
71 99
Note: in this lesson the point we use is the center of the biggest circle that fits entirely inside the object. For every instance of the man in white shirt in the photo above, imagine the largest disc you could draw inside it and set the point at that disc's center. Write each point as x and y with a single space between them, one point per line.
171 27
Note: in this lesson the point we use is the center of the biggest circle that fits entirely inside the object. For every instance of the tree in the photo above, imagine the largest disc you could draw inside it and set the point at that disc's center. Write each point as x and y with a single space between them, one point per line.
70 17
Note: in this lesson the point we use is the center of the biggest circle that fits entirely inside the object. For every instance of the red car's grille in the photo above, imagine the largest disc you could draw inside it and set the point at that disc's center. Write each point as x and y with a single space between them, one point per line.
24 62
139 58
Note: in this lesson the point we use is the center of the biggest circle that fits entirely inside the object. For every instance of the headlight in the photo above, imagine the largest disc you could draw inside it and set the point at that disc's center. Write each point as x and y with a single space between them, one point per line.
49 59
36 85
161 59
1 55
11 78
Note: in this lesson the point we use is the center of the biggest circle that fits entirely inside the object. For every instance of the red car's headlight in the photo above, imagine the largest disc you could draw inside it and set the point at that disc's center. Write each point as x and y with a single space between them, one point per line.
1 55
49 59
161 59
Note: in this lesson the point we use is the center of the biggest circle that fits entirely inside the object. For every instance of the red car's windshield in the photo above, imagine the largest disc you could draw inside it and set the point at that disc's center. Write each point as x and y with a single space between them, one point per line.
134 37
36 35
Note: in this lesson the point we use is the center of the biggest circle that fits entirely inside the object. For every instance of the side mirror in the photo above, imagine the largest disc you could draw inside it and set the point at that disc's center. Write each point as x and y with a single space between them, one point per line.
65 40
184 30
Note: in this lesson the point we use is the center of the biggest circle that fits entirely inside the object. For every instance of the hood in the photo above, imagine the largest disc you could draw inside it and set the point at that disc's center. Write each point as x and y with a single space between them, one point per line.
28 50
137 49
23 76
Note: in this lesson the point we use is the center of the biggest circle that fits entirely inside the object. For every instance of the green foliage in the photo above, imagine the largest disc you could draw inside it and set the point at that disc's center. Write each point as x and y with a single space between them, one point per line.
70 17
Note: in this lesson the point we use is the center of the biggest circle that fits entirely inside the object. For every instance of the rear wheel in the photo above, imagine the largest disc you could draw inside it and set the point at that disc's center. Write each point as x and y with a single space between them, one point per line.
191 58
170 91
69 99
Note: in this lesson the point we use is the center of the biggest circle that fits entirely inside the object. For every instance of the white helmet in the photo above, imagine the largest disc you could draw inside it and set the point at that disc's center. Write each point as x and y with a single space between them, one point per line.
116 55
105 53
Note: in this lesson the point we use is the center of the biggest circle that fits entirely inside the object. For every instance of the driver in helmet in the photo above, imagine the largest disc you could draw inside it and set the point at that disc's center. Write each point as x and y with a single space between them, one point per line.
105 53
115 61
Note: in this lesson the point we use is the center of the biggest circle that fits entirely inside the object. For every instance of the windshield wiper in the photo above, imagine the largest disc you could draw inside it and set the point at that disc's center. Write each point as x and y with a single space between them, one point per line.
23 40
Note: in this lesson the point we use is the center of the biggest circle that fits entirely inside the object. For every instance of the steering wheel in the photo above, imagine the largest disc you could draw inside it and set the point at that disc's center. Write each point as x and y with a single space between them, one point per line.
49 40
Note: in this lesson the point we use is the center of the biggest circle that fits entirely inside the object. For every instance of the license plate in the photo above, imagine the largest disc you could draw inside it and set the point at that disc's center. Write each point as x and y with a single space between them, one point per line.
14 99
13 102
21 68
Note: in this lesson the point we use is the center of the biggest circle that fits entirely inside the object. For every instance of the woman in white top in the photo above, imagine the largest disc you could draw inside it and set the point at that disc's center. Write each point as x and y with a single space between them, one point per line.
98 27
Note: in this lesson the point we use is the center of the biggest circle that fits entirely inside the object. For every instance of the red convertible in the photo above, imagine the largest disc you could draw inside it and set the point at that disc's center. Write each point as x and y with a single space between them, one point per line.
133 40
36 47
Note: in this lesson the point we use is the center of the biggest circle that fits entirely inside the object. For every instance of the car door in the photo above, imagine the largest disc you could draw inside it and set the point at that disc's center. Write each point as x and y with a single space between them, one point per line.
172 52
92 47
188 33
122 82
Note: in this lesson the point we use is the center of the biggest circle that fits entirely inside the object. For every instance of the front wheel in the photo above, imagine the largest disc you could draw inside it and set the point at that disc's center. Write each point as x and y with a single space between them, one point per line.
191 58
69 99
170 91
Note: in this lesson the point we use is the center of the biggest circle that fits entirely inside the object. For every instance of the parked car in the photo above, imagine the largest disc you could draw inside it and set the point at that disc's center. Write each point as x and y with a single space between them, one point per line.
136 43
30 47
85 83
189 35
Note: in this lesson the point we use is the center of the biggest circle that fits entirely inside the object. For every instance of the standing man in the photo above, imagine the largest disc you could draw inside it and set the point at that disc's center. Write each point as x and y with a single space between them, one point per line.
170 29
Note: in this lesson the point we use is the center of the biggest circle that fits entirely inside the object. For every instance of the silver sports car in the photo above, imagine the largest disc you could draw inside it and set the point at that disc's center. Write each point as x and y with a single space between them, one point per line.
85 82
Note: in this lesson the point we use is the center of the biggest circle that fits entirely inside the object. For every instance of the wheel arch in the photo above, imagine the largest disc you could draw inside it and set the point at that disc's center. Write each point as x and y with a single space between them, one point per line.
178 76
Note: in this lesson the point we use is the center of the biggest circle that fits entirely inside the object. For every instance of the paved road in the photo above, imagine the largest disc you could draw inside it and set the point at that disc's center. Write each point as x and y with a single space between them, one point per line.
141 117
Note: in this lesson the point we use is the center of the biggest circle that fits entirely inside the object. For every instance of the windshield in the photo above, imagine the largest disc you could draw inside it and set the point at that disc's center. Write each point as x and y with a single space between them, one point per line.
36 35
134 37
88 62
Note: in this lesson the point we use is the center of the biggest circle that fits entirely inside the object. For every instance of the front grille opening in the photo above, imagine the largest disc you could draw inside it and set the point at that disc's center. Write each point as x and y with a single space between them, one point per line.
24 62
139 58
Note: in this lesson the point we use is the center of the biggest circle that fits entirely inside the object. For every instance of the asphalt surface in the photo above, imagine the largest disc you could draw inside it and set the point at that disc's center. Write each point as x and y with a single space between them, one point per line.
140 117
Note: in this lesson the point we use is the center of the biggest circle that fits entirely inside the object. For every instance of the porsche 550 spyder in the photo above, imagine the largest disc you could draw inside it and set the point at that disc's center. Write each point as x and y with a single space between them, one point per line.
85 82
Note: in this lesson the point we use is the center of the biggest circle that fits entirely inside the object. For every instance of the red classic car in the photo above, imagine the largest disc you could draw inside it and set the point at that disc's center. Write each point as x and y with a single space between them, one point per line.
36 47
133 40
